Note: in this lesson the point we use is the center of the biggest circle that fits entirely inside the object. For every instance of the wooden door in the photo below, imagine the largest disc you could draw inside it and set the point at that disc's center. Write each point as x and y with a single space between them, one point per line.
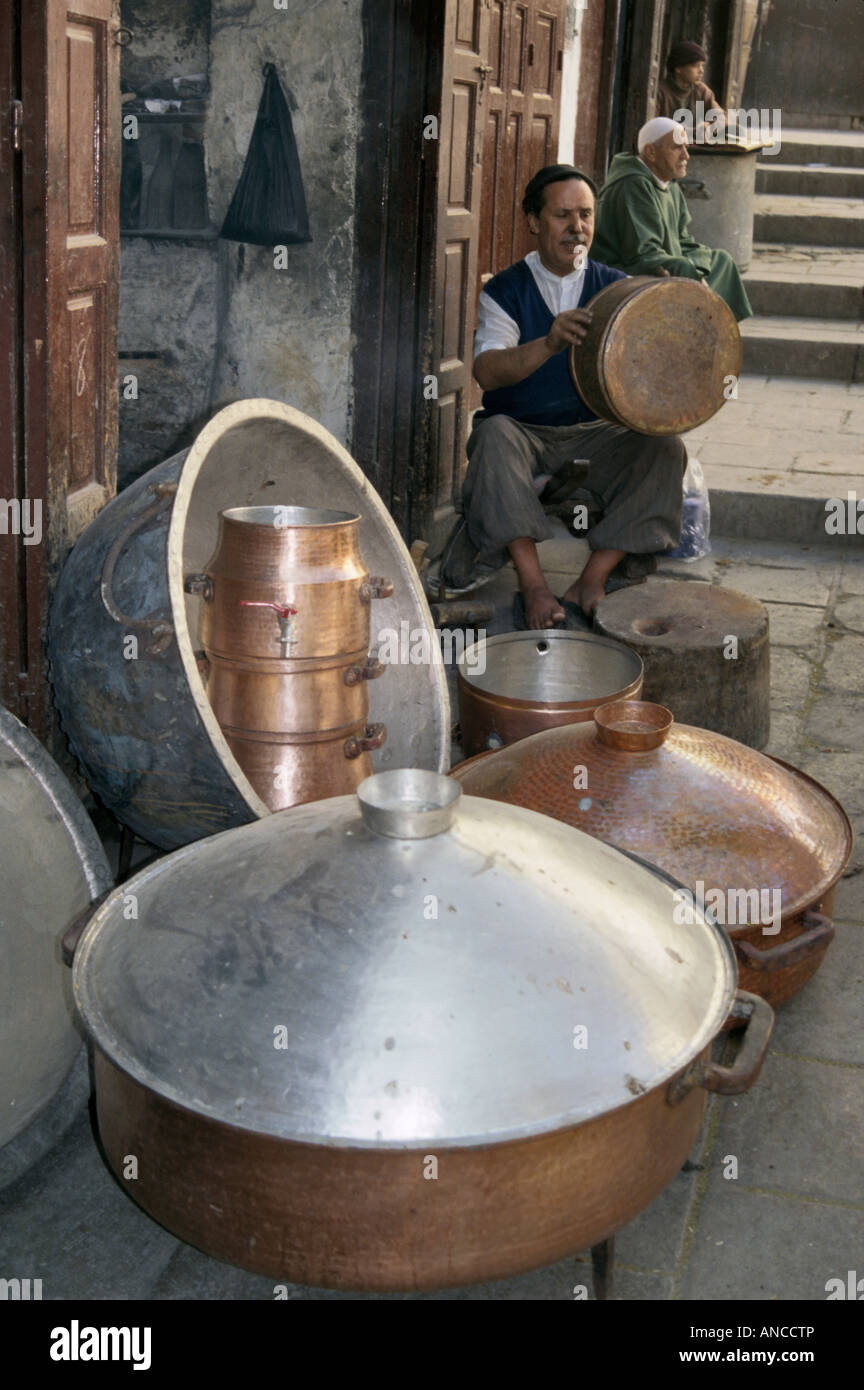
465 69
643 66
521 118
501 92
598 57
64 397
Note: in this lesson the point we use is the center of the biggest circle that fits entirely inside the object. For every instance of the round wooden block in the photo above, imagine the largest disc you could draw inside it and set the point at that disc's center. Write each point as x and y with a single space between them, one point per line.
705 651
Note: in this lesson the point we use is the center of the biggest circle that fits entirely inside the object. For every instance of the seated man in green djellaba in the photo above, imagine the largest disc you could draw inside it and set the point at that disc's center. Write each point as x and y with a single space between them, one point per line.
643 226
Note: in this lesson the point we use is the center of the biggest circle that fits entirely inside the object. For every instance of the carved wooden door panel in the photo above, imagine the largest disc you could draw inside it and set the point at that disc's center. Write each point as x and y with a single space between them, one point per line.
500 103
82 252
465 69
521 121
64 397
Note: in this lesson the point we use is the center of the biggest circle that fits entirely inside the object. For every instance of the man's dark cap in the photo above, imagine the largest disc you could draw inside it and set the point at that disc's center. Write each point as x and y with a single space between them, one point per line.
685 52
553 173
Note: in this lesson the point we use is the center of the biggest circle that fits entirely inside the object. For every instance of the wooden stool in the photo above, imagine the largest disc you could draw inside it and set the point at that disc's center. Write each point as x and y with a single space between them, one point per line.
705 650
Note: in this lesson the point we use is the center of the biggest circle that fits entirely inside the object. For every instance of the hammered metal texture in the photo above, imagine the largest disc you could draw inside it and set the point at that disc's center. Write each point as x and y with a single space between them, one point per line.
657 355
699 806
278 687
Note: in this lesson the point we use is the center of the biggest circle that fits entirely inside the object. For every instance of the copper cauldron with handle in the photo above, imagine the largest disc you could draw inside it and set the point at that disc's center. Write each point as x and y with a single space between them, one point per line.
407 1039
659 355
750 838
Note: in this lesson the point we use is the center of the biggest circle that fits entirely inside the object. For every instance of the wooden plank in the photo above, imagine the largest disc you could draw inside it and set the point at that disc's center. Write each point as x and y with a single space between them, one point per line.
12 637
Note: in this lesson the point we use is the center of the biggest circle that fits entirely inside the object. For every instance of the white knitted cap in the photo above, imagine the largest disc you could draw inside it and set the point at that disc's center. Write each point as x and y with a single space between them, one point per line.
655 130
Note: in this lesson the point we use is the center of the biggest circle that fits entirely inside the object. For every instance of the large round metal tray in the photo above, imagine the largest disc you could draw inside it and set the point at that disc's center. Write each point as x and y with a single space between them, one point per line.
52 866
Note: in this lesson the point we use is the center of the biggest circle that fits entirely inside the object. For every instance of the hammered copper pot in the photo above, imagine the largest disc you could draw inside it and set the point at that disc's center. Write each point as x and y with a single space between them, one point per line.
658 354
404 1040
703 808
286 634
538 680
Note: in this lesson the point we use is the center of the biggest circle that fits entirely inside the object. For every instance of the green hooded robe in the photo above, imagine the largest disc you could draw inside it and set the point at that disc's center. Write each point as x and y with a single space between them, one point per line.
641 227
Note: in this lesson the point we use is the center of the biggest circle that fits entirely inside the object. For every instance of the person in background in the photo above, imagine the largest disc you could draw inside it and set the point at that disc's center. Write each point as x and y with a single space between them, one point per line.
643 226
682 87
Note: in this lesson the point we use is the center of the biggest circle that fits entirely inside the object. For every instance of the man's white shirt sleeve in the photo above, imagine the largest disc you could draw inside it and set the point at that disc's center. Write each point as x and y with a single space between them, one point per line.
495 328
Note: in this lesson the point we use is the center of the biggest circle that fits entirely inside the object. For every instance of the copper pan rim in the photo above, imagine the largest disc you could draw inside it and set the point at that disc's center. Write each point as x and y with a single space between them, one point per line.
587 707
575 642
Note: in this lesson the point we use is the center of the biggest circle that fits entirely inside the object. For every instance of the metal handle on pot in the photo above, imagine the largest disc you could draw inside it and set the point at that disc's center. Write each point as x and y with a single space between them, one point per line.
200 584
375 587
160 630
758 1017
817 935
73 933
371 669
373 737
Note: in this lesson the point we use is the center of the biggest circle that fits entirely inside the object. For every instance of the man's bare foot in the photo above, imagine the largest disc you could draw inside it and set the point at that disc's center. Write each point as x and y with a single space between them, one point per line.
542 608
586 596
590 587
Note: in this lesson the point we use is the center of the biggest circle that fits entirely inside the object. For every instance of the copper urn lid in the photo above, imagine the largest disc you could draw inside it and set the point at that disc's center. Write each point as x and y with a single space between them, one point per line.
700 806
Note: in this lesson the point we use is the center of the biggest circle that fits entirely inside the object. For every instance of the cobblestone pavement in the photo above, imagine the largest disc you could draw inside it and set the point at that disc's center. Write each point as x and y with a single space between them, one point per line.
792 1219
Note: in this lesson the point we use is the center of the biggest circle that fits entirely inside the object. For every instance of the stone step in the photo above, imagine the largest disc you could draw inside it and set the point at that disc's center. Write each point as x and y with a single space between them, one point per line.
804 347
750 509
797 220
777 294
810 180
777 453
808 281
838 147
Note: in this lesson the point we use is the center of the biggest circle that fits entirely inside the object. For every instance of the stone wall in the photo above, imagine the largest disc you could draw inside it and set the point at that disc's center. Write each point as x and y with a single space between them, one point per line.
204 322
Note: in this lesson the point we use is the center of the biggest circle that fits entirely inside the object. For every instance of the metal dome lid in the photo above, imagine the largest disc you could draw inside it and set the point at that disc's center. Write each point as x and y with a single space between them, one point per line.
53 865
407 968
696 804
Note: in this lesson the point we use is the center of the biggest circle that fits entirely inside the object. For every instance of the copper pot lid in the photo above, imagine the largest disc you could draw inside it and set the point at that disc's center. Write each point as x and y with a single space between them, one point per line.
700 806
404 967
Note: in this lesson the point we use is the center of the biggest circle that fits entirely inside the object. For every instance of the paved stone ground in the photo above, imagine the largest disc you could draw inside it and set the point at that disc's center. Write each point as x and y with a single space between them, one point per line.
789 435
794 1217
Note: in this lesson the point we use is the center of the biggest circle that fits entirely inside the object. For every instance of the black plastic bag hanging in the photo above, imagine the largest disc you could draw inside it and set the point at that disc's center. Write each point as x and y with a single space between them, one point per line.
269 206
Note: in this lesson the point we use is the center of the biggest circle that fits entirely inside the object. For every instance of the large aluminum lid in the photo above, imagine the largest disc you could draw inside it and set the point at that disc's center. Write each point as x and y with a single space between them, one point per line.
391 979
52 866
700 806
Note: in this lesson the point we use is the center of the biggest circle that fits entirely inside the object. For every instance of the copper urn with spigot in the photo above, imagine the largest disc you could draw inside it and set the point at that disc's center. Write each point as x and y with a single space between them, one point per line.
286 636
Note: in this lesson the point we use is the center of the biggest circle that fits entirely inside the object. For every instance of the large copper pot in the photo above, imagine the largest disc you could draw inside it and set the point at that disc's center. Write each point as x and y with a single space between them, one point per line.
518 683
286 634
405 1044
659 354
703 808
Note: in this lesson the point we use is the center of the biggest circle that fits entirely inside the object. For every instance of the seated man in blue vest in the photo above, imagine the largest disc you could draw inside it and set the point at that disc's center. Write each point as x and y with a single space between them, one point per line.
533 422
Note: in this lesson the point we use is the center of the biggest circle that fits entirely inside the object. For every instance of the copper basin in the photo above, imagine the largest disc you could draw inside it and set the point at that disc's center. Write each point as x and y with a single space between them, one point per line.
342 1217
